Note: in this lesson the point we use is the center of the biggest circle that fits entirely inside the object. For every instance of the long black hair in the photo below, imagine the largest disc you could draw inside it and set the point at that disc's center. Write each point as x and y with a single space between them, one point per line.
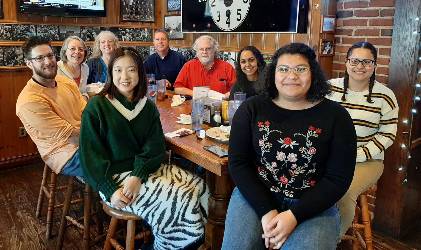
261 64
319 86
373 50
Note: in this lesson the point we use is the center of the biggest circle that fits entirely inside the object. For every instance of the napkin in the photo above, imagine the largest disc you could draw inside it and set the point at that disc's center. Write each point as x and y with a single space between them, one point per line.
215 95
177 100
179 132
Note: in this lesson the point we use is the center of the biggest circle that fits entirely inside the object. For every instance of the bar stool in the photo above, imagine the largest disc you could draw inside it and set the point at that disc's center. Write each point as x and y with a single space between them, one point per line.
361 226
49 190
131 219
87 199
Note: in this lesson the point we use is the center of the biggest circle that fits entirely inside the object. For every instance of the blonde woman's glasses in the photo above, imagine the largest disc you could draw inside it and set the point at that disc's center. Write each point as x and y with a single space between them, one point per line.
365 62
284 69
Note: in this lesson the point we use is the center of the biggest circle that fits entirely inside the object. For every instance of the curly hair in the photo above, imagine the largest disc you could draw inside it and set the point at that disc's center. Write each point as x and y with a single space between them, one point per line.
140 90
319 86
66 46
31 43
373 50
261 64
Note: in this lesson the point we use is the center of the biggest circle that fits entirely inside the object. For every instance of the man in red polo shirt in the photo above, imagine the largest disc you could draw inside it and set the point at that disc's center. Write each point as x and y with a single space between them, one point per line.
205 70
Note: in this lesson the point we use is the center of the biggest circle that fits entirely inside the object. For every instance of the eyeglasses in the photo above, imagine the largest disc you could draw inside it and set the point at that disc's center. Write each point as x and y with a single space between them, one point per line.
39 59
283 69
205 49
76 49
365 62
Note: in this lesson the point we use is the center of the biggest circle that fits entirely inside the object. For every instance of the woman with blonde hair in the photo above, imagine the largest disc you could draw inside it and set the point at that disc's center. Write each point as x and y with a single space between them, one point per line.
73 55
105 44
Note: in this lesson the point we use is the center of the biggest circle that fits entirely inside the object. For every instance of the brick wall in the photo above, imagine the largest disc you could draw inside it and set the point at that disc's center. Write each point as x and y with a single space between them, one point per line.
364 20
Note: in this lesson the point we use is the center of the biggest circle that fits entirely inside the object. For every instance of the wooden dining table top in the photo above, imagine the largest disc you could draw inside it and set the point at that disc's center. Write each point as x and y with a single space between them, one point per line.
189 147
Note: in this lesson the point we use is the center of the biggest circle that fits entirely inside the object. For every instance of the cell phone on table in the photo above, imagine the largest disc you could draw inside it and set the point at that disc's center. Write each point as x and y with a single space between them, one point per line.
215 149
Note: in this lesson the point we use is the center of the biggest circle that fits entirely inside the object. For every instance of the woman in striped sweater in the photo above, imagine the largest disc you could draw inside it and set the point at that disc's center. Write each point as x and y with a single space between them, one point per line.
374 110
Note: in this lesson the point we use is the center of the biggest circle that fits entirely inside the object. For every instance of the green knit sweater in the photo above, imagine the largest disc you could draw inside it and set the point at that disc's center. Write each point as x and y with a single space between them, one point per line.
118 138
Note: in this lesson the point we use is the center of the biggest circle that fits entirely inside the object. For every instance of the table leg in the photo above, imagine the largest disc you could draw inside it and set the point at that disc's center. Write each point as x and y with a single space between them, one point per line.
220 192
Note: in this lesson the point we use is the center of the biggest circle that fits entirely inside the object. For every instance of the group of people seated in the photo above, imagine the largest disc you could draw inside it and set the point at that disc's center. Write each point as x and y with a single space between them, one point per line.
301 148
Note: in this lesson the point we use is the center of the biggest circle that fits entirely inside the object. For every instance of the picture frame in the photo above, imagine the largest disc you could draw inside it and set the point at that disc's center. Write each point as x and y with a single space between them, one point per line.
1 8
173 5
328 24
172 25
327 47
137 10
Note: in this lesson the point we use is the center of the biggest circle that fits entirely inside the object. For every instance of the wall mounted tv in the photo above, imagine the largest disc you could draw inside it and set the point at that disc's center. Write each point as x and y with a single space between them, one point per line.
70 8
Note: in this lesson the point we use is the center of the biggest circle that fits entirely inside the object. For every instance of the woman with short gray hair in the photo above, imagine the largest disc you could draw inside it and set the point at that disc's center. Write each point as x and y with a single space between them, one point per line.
73 55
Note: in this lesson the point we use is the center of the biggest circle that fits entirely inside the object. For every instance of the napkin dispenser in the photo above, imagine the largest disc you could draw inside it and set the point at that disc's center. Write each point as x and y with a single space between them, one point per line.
209 107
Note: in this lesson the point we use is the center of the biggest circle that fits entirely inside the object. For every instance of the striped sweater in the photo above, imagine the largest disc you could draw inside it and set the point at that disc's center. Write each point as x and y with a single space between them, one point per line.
375 123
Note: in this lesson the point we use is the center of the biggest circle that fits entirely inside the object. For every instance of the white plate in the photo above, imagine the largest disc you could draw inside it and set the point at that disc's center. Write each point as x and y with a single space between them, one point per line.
219 134
183 122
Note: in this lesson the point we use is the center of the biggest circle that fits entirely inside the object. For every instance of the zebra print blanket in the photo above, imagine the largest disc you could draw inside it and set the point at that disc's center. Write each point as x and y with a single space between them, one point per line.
174 203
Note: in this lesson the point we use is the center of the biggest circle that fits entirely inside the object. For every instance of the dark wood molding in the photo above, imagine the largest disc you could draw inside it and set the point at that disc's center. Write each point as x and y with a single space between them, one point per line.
398 194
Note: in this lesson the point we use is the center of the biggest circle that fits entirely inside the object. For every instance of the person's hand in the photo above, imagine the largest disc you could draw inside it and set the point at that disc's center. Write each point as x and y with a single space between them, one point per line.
266 219
227 96
118 200
281 227
131 187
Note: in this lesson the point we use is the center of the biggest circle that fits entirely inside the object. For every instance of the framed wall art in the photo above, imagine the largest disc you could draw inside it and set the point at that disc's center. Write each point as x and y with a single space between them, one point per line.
173 5
328 24
172 25
1 8
137 10
327 47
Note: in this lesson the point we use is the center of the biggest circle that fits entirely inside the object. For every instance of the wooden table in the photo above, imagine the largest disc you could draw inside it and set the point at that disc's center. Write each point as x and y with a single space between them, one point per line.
217 177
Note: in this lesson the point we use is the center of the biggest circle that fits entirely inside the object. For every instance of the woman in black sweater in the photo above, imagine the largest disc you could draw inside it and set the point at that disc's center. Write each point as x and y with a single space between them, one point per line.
249 68
292 157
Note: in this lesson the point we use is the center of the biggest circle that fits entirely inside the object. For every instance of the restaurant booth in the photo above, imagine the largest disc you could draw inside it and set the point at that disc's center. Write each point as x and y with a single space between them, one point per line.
395 202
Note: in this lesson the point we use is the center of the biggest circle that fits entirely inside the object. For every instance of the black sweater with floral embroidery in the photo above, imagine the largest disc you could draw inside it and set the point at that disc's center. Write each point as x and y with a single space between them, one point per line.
299 154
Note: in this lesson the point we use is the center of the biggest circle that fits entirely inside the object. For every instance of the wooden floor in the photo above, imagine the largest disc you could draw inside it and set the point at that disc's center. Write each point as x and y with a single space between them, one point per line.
21 230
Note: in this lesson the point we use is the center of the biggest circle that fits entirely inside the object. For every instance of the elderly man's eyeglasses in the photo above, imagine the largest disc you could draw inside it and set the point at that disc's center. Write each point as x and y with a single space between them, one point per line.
283 69
50 56
365 62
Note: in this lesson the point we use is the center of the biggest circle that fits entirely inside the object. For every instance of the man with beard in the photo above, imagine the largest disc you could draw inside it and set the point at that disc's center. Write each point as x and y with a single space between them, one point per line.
165 63
50 107
205 70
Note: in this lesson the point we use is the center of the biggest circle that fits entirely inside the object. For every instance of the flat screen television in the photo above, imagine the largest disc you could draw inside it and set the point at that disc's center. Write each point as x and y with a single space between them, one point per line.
67 8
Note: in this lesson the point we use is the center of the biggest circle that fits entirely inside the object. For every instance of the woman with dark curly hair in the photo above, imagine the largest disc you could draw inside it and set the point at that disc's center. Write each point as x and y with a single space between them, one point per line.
292 157
249 68
374 110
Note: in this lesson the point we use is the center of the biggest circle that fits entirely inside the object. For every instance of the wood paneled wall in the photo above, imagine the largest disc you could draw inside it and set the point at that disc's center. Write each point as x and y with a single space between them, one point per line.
12 147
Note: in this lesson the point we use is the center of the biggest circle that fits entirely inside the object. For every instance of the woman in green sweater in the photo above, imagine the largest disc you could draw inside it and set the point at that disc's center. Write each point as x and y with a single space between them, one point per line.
122 148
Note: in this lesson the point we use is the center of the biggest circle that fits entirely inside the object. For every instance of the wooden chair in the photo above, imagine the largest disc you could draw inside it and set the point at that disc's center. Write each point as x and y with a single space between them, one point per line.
361 235
131 219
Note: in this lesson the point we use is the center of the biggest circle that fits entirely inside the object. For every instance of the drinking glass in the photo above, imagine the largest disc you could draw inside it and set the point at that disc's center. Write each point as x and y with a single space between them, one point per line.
150 78
152 89
232 108
239 97
196 114
161 88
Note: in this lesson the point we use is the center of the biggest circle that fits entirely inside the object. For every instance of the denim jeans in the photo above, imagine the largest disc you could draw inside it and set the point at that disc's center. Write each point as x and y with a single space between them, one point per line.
72 166
243 228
